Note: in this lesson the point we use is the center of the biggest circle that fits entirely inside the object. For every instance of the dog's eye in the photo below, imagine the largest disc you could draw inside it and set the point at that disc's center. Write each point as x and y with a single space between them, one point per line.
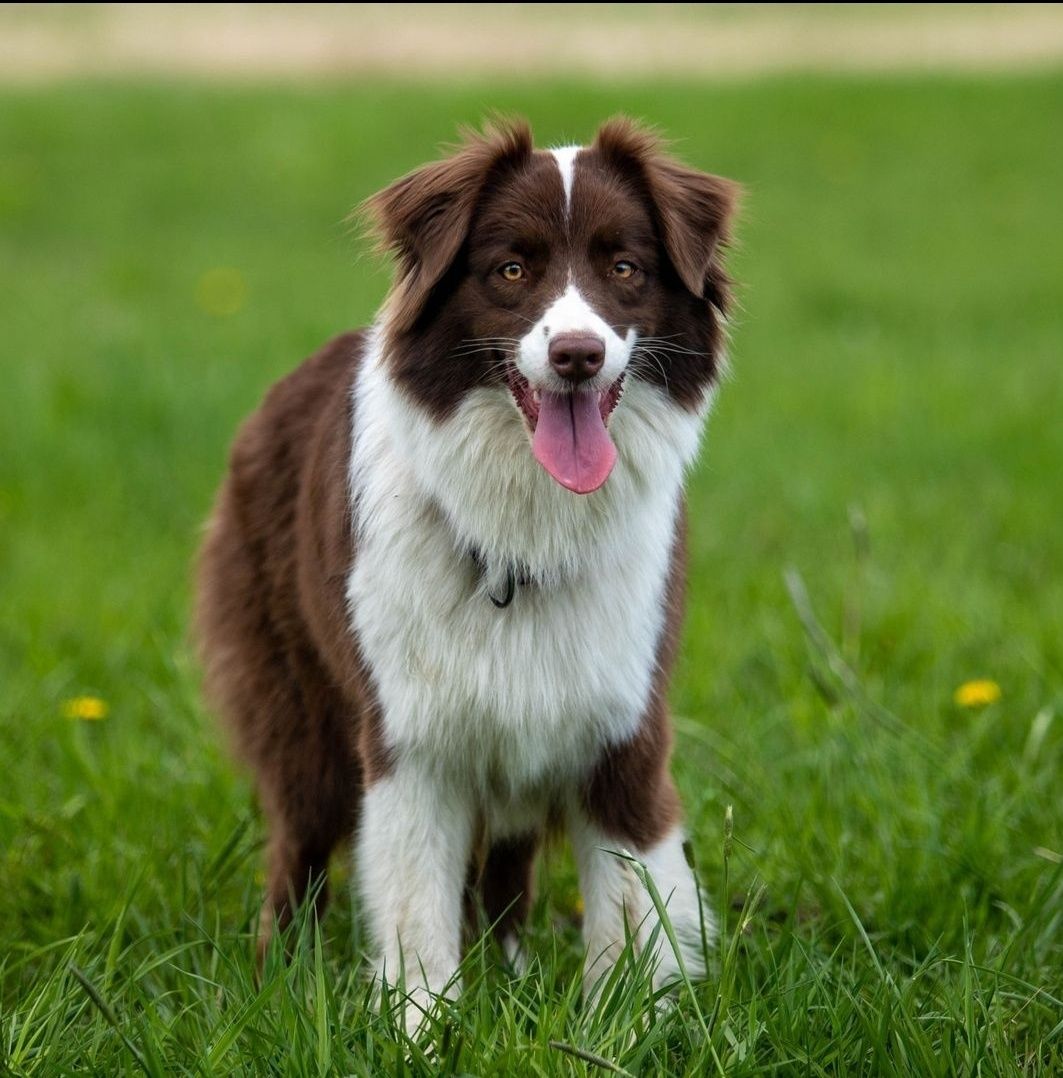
512 271
624 269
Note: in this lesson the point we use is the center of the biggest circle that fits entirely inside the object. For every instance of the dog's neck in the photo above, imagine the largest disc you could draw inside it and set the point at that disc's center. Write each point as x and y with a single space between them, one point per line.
477 470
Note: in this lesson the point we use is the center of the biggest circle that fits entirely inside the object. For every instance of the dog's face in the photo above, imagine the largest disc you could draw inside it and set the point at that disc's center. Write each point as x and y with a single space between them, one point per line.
557 277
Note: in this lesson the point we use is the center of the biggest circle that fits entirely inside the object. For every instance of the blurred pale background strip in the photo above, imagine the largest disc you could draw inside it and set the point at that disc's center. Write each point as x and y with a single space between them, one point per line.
609 41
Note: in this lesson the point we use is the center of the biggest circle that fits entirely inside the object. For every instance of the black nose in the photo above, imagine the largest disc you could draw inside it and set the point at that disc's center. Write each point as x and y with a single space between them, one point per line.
577 356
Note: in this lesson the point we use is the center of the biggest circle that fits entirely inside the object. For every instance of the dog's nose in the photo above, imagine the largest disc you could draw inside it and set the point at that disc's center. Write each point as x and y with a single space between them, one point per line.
577 356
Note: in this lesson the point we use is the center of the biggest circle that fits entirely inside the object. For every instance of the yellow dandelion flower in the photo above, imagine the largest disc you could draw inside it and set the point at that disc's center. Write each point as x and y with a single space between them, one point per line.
577 906
977 693
89 708
222 291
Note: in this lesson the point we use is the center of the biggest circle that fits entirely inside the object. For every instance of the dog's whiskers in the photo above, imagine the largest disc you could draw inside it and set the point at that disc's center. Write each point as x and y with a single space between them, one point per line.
640 360
661 344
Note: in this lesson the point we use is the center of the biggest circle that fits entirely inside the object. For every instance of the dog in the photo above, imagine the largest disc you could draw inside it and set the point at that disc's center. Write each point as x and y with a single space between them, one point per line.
441 590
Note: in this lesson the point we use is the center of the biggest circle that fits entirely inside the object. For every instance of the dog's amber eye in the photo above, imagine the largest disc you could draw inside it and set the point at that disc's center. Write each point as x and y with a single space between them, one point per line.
624 270
512 271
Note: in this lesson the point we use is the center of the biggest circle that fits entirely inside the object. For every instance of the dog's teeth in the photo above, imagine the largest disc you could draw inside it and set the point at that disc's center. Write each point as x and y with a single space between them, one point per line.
535 395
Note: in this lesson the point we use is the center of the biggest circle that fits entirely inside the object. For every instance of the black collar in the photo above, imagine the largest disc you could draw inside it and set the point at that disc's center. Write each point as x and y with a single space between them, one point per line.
513 578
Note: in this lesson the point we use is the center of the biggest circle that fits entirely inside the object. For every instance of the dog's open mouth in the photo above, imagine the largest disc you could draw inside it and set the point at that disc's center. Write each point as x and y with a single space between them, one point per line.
569 435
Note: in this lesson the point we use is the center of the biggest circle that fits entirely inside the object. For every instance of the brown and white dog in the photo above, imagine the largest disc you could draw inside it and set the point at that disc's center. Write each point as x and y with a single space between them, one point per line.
442 588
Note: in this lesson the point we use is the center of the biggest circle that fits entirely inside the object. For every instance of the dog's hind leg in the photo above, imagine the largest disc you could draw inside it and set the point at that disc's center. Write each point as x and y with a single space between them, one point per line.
287 720
309 786
500 895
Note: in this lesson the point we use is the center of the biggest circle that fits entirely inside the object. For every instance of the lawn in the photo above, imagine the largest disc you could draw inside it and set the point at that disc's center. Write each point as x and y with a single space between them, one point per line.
877 519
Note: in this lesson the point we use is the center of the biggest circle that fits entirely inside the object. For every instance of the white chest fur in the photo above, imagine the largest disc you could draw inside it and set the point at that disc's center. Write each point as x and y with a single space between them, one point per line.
514 699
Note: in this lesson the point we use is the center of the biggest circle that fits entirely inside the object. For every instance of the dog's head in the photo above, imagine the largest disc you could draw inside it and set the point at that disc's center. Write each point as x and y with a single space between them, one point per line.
558 277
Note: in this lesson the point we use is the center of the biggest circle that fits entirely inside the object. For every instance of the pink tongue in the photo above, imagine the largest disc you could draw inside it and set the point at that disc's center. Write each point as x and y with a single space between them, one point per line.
571 441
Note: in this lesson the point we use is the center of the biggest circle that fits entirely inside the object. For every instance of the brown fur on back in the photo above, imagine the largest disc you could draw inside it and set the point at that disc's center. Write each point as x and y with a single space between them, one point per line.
281 666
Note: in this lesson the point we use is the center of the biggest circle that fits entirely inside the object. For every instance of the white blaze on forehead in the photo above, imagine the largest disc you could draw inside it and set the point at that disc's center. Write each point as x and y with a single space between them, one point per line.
565 156
571 313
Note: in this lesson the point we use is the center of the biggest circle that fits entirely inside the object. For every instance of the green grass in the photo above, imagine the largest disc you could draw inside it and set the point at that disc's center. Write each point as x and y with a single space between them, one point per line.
891 435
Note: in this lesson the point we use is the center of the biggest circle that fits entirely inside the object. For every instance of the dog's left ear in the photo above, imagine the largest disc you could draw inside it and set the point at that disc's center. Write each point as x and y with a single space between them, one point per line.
423 219
694 209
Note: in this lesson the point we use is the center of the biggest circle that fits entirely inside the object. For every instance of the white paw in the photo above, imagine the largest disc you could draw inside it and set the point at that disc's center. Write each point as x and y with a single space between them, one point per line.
514 952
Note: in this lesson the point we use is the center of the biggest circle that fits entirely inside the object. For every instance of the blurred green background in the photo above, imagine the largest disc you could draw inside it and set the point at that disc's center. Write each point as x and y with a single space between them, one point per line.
171 243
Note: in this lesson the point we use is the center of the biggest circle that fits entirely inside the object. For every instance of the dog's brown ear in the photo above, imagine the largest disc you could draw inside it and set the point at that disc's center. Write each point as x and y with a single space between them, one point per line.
423 219
694 210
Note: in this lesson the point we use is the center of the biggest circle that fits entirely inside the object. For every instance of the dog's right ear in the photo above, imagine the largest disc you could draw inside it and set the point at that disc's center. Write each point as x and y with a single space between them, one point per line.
423 219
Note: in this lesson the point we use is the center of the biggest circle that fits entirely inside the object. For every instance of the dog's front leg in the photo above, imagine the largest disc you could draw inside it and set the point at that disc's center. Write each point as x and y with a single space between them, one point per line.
611 855
413 851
